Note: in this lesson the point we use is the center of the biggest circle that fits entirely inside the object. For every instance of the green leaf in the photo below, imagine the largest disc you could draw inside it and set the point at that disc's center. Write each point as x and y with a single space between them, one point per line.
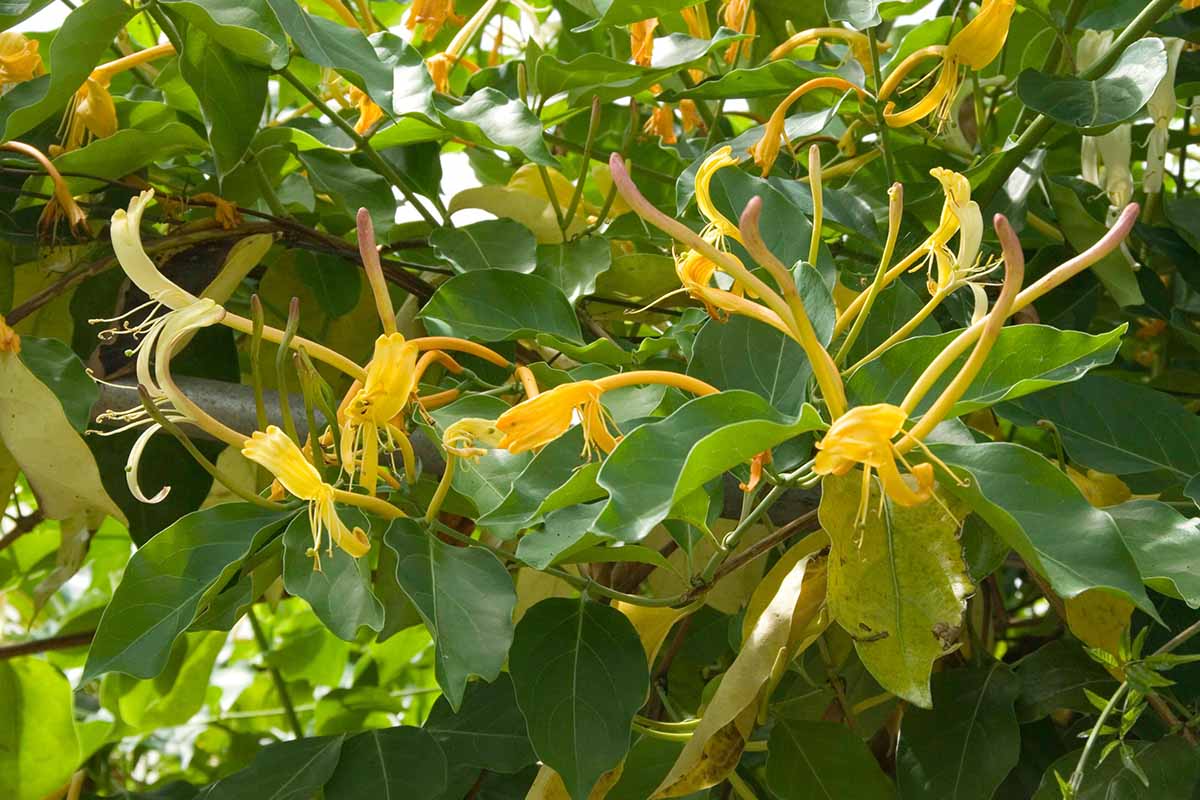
1097 106
1056 676
78 46
1024 359
580 675
622 12
351 187
897 583
1170 764
232 95
335 282
490 244
340 594
549 469
487 732
743 353
247 28
57 366
466 598
394 762
766 80
291 770
857 14
1039 511
497 305
1082 231
173 697
893 307
39 748
1164 544
968 742
660 463
1119 427
574 266
165 582
492 119
824 761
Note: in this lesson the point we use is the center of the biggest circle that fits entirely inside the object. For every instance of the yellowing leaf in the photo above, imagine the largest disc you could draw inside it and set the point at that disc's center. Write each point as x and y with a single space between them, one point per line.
549 786
1099 488
239 470
534 586
718 740
1098 618
652 624
769 586
896 585
732 591
56 462
525 200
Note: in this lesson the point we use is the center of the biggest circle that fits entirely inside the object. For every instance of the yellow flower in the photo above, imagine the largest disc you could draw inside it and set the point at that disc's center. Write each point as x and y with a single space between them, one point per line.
127 245
280 455
720 158
662 124
858 43
368 112
90 115
641 41
736 15
368 416
464 437
433 14
540 420
692 121
19 59
440 66
10 340
974 47
224 212
766 150
696 272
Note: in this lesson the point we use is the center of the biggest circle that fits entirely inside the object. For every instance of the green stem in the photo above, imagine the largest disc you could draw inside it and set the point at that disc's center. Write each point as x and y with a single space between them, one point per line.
577 197
385 169
749 517
889 166
1093 737
285 405
268 191
280 685
553 195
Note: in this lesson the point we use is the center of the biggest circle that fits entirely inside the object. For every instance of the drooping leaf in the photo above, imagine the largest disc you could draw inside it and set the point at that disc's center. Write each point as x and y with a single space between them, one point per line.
823 760
580 675
403 761
498 305
897 583
289 770
966 744
1163 543
166 581
466 598
1036 509
660 463
39 748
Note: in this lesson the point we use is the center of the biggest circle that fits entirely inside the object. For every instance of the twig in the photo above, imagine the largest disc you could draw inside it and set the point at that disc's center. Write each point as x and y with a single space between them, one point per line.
64 642
280 685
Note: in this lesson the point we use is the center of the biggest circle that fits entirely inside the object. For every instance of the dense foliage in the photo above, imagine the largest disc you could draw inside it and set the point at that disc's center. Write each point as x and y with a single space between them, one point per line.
600 399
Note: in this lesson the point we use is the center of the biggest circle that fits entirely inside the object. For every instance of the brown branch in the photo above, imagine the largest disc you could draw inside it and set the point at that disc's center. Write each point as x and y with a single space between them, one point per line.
21 527
64 642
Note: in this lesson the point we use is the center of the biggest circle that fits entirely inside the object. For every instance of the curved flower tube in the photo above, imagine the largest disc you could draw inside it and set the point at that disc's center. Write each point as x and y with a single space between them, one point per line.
63 203
91 112
766 150
283 459
641 41
369 411
858 43
537 421
974 47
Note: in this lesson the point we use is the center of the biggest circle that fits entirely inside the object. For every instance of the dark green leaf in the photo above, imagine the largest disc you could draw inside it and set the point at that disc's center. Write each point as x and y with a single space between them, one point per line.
1082 231
967 743
573 266
401 762
488 732
1170 763
165 583
580 675
123 153
823 761
1164 544
550 468
293 770
1039 511
335 282
497 305
491 244
1055 676
352 187
769 79
484 483
57 366
1097 106
245 27
340 593
466 598
492 119
743 353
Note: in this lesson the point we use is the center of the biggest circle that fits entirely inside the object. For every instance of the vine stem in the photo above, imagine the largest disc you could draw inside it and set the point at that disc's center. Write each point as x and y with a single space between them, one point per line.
280 686
888 164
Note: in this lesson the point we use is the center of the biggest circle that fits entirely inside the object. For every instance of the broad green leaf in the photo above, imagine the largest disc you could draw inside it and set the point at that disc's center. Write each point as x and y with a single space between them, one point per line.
966 744
58 368
37 432
492 119
1024 359
488 732
1055 676
580 675
351 187
394 762
1119 427
165 582
290 770
1096 106
742 353
38 745
340 593
550 468
622 12
174 696
574 266
857 14
497 305
247 28
564 534
490 244
897 583
766 80
824 761
1164 544
1115 270
232 95
335 282
1039 511
78 46
15 11
466 598
1170 764
662 462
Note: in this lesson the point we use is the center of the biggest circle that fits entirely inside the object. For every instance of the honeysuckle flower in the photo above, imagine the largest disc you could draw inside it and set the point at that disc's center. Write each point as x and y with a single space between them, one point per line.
368 112
62 204
433 14
390 384
689 114
440 66
537 421
10 340
464 437
857 42
91 113
1161 107
19 59
737 16
1116 152
661 122
766 150
224 212
974 47
273 450
641 41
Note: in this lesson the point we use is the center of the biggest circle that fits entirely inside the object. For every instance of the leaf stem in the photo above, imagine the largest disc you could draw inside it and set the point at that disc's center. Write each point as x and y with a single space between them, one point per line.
280 685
